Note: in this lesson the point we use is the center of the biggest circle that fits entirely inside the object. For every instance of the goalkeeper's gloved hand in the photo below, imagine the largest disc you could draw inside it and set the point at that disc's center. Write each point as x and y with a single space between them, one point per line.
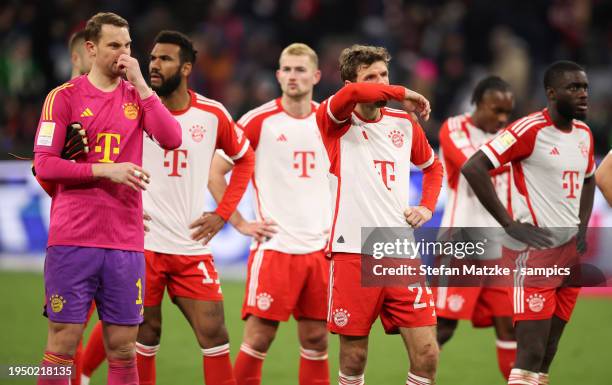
75 143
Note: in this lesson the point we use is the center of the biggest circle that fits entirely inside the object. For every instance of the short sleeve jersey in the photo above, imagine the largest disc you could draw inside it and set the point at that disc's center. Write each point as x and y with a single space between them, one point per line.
459 140
548 168
179 178
290 177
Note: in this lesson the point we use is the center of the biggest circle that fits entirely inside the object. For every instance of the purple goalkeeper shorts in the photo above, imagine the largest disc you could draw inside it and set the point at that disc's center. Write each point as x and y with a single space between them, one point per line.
74 276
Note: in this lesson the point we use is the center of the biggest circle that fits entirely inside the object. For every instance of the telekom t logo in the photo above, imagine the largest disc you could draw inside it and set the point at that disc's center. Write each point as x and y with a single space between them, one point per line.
105 145
175 161
301 161
386 169
570 182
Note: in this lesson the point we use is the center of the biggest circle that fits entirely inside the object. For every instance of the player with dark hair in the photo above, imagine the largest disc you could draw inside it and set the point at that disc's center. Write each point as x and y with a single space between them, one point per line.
551 154
460 137
178 258
370 148
96 237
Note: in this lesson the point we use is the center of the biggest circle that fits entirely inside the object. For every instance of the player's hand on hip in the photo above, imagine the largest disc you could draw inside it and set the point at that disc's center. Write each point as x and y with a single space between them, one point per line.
260 231
206 226
415 102
125 173
130 66
417 216
533 236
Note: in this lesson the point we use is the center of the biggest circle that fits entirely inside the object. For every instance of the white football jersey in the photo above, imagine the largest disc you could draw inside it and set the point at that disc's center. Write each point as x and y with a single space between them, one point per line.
179 178
548 169
370 171
290 178
459 140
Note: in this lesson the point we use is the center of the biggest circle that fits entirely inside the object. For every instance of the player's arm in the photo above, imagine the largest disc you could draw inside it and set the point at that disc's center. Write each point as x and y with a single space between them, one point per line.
424 157
603 178
158 121
476 170
232 140
217 185
586 199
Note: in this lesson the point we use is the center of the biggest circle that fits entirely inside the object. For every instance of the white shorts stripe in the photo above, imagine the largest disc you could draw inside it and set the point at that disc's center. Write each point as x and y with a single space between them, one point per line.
254 278
330 290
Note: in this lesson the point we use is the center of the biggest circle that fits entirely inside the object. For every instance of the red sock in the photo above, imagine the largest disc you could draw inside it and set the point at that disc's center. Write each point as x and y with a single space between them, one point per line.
506 354
145 356
217 366
543 378
60 363
247 368
94 353
314 369
122 372
344 379
75 379
413 379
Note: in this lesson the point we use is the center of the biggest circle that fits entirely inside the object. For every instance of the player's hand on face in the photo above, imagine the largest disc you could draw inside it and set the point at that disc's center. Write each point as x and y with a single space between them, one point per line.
126 173
129 65
415 102
206 226
146 218
533 236
417 216
260 231
75 143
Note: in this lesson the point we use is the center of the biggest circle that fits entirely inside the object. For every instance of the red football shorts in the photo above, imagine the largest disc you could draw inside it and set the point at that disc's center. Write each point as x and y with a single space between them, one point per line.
352 309
280 284
538 298
189 276
478 304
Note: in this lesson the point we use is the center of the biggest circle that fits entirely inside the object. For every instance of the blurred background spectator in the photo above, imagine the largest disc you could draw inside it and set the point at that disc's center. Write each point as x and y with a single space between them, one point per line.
439 48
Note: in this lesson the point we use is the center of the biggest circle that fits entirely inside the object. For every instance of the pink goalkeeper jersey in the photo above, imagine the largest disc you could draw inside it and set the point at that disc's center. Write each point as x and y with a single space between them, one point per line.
97 212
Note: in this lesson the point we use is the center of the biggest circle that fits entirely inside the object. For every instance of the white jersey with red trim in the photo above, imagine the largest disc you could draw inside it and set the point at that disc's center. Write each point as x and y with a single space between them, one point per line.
370 167
179 178
548 169
459 140
290 178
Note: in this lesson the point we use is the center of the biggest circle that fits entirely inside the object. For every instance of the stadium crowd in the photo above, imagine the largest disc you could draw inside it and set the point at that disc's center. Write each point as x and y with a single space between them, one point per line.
440 49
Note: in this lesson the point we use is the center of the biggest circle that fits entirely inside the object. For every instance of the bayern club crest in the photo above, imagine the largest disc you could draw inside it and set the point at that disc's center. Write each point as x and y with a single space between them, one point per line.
455 302
264 301
536 303
197 132
584 149
341 317
397 138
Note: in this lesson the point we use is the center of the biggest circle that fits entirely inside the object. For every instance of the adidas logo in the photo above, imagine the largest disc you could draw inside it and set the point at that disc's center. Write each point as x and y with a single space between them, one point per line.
340 239
554 151
86 112
281 138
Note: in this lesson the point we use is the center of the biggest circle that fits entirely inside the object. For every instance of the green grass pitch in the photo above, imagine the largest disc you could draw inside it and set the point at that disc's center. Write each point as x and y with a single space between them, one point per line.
583 358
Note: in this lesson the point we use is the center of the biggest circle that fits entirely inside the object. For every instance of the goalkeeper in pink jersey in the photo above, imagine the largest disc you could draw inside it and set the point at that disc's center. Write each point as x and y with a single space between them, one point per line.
96 237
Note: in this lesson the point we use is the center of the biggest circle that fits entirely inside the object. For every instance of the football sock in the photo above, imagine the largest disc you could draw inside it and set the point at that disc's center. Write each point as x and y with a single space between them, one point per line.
75 379
217 366
413 379
343 379
59 361
247 368
314 369
122 372
145 358
543 379
522 377
506 354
